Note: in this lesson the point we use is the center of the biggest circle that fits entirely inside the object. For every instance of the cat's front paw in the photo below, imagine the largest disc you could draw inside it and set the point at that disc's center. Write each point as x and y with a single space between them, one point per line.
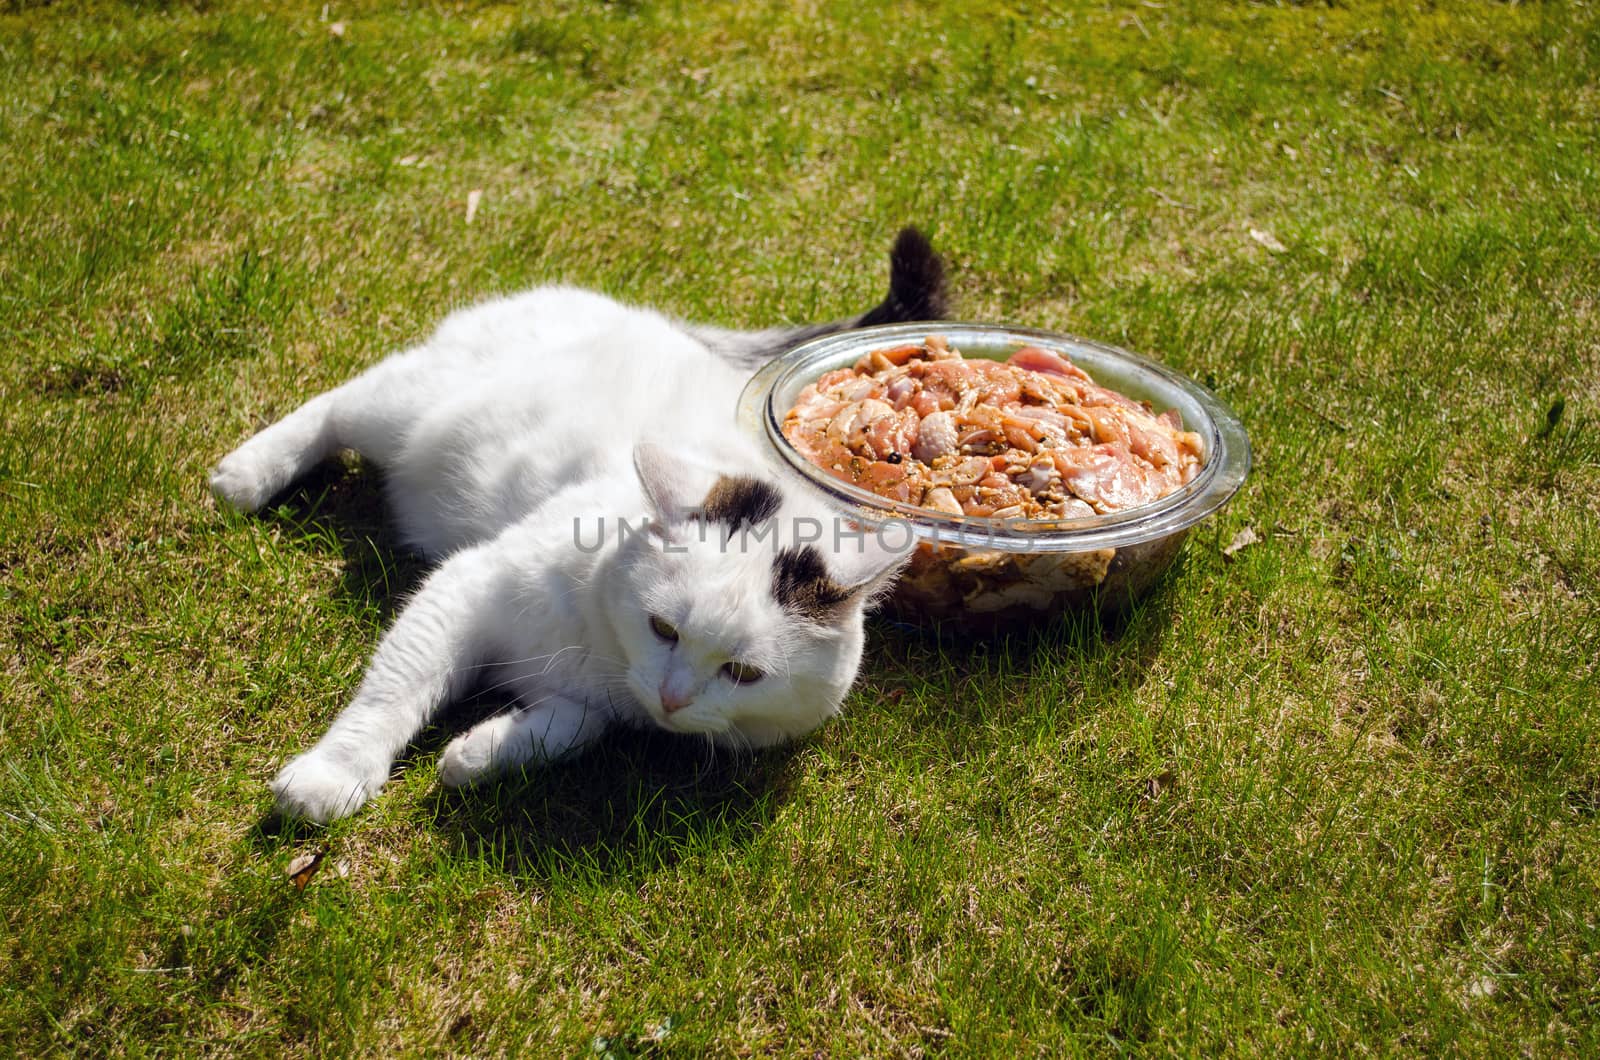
318 788
241 480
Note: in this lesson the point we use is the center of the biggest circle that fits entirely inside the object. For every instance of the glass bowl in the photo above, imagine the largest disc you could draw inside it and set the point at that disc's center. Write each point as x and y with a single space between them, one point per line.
983 573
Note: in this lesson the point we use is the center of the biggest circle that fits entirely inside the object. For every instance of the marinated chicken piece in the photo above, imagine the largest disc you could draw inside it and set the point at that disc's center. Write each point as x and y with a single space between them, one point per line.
1030 438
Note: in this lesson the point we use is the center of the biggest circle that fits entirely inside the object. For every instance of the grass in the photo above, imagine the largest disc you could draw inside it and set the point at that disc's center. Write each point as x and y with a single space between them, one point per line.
1336 794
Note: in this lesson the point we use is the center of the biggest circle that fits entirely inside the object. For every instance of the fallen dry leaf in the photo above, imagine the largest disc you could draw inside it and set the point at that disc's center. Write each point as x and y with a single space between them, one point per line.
304 866
474 197
1268 240
1243 539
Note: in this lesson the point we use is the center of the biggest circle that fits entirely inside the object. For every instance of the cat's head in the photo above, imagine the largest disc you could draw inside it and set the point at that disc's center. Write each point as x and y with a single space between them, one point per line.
740 611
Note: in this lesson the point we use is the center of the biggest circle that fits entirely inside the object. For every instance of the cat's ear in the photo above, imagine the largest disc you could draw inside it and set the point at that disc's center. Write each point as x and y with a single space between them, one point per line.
866 561
825 588
673 486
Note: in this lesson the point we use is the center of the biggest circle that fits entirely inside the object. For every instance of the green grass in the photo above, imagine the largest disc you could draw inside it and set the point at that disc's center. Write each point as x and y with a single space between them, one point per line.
1337 794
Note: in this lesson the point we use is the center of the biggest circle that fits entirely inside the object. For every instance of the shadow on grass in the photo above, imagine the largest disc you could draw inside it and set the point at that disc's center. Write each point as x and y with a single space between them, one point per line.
1066 662
635 804
339 508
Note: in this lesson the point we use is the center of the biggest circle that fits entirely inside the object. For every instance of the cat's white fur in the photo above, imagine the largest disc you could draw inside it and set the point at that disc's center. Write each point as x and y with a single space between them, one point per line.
506 438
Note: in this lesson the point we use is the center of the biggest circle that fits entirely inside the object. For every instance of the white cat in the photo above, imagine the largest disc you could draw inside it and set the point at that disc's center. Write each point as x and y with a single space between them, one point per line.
516 438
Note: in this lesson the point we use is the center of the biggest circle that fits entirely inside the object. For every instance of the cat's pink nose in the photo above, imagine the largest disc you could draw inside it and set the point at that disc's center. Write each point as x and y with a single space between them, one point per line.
672 701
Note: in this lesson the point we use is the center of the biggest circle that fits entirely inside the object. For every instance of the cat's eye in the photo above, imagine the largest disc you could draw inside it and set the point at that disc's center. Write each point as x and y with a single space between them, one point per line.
741 673
663 629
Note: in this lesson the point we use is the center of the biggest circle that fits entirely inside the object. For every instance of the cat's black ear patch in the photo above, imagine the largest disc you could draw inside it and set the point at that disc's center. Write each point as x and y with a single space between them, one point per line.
741 502
802 585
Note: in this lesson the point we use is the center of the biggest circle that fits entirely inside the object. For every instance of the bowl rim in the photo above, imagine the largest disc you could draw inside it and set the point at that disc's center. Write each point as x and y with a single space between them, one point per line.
1226 443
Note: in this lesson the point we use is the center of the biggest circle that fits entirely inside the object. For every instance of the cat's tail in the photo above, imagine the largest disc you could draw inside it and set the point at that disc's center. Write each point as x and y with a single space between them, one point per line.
916 284
916 292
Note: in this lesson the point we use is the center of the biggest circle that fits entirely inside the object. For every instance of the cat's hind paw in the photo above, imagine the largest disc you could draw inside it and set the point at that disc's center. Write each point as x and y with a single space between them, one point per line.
467 759
316 788
517 738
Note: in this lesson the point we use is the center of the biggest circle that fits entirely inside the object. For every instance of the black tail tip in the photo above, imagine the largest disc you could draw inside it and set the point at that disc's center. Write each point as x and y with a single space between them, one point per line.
916 282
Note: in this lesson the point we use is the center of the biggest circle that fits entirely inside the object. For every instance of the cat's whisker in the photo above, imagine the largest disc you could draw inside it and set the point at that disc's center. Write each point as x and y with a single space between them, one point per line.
550 657
518 678
518 662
